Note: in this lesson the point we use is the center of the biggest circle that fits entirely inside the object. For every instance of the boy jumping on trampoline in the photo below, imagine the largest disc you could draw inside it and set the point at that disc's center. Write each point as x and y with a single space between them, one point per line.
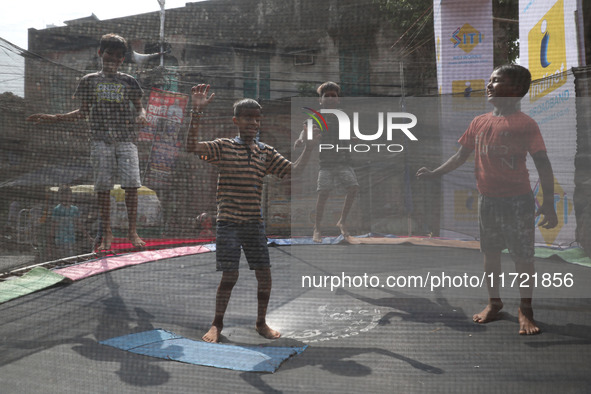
105 97
335 167
242 162
506 209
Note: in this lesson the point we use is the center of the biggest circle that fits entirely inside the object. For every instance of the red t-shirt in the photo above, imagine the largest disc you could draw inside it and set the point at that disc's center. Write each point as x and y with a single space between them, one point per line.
500 145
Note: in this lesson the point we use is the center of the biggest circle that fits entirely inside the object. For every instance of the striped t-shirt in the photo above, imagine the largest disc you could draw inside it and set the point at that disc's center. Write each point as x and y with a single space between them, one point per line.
241 173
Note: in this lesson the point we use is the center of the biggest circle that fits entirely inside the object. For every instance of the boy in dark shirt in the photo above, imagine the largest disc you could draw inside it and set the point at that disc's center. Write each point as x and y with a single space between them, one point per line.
105 97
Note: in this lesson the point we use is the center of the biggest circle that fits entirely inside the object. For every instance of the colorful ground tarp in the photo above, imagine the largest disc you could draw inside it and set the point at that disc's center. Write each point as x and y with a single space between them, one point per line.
424 241
121 244
375 239
38 278
571 255
170 346
95 267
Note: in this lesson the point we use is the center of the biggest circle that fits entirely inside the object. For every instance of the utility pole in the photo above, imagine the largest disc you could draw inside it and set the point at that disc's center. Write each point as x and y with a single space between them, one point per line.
161 2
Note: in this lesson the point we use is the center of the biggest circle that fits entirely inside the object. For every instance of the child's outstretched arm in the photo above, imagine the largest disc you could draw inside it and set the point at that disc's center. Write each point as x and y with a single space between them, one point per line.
300 141
451 164
546 174
80 113
199 101
298 166
141 111
302 137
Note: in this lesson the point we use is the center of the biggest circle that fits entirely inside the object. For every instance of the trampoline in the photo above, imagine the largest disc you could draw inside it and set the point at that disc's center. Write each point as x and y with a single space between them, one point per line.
365 314
362 338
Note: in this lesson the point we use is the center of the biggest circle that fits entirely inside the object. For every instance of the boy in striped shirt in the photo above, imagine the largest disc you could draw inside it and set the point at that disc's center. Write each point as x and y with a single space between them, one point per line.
242 162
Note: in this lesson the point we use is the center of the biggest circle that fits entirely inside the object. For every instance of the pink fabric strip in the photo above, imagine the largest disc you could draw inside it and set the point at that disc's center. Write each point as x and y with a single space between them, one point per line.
95 267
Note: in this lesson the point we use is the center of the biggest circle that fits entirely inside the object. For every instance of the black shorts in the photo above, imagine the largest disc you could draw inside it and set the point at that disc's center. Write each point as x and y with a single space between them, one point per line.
507 223
248 236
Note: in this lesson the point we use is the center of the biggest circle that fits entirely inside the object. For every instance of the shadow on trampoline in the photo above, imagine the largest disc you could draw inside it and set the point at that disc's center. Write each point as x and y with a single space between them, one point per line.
337 361
419 310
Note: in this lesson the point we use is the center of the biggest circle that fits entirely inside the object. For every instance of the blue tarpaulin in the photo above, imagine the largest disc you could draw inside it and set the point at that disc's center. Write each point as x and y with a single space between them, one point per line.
168 345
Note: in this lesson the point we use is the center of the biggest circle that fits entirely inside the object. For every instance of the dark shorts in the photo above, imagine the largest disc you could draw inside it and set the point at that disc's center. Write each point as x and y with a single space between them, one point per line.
248 236
507 223
341 178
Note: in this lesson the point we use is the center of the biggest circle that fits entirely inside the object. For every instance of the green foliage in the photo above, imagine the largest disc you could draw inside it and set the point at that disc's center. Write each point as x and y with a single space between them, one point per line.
506 32
412 23
405 11
307 89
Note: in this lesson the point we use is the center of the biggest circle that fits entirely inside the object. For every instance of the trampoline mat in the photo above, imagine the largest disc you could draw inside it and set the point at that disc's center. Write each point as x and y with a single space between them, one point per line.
360 338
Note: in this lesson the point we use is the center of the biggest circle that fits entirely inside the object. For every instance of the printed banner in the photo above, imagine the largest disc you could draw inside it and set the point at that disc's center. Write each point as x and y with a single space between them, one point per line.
464 46
163 105
163 155
166 111
548 49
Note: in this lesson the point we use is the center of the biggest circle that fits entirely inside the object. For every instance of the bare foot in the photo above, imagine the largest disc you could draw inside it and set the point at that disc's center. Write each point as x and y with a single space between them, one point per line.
489 313
527 326
267 332
317 237
213 335
136 241
106 242
343 229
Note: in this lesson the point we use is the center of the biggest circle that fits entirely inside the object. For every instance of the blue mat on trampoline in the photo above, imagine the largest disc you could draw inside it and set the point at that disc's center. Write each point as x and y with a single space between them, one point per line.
168 345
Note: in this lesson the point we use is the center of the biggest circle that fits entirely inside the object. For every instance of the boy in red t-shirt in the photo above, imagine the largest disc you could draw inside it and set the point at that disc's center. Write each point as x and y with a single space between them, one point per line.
506 210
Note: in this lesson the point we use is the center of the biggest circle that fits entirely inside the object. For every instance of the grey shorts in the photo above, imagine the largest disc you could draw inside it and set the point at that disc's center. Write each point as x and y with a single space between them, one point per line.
507 223
116 161
250 236
336 178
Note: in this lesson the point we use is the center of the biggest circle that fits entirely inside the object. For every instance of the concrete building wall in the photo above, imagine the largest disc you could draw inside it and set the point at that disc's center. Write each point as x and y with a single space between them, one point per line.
291 47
